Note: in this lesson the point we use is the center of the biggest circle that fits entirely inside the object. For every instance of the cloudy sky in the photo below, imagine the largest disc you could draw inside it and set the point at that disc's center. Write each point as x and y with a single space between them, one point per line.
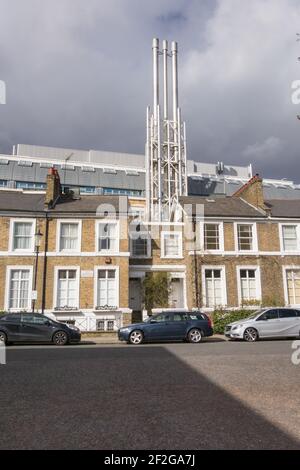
78 74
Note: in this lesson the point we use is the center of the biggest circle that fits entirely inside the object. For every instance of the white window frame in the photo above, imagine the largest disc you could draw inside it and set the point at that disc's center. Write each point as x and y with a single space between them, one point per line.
97 233
285 286
11 235
60 222
257 281
148 254
117 279
291 224
162 244
254 237
221 236
9 269
222 268
55 290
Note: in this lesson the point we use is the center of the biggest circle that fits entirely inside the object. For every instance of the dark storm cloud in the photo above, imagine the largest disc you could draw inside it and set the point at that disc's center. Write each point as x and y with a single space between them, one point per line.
78 74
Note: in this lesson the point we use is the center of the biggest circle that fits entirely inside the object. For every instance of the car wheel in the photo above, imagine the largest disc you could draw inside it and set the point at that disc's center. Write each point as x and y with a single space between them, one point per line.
136 337
60 338
250 335
195 336
3 337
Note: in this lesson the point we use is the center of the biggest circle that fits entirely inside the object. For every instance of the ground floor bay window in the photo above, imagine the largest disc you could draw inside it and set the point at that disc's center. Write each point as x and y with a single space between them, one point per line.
19 289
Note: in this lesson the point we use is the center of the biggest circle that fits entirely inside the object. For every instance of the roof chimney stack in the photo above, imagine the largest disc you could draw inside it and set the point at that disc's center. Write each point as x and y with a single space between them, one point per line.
53 190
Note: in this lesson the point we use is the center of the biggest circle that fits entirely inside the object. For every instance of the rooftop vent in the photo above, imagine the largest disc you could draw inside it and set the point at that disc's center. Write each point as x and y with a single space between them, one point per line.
88 169
110 171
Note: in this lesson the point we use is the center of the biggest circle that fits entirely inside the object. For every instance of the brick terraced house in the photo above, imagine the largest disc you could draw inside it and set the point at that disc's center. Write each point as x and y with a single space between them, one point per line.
88 270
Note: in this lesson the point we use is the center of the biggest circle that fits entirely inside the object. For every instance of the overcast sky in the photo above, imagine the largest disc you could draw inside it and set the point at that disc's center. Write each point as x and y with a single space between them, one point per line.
78 74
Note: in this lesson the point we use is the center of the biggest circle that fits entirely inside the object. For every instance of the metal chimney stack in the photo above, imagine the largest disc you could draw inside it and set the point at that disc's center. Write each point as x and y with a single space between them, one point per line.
166 141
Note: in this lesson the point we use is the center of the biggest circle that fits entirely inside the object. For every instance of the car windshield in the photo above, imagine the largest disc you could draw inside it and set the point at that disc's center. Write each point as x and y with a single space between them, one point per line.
257 312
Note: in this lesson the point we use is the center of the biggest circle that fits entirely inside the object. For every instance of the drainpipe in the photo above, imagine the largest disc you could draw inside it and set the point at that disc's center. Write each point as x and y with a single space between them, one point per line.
196 270
45 263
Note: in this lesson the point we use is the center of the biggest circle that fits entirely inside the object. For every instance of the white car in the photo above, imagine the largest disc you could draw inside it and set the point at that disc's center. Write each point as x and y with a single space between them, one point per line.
266 323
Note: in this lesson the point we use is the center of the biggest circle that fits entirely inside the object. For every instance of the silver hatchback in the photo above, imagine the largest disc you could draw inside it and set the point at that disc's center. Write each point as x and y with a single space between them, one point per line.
266 323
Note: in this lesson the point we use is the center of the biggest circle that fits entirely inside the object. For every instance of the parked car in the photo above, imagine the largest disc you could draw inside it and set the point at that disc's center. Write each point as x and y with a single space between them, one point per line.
188 326
266 323
35 328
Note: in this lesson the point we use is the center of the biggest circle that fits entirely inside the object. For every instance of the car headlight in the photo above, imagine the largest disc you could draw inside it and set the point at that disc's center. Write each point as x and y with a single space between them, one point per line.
124 329
73 327
236 327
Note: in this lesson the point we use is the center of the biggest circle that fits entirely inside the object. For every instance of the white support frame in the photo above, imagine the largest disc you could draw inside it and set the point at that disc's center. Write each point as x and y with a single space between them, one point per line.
55 290
239 268
11 235
222 268
117 278
58 235
9 269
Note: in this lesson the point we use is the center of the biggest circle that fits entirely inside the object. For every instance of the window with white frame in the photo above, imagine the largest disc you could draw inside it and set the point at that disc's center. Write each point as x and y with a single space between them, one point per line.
107 288
19 289
67 289
171 245
69 236
22 236
214 287
248 285
211 236
293 286
290 237
245 237
140 247
108 236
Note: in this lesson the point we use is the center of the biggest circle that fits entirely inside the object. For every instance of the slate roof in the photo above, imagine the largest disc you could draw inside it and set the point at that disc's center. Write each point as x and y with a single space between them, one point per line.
18 201
222 206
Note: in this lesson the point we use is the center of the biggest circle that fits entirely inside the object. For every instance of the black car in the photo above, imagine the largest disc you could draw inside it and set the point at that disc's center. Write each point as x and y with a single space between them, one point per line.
184 326
35 328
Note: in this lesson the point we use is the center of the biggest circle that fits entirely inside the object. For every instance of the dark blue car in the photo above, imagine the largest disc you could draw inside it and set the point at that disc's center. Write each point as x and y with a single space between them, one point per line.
184 326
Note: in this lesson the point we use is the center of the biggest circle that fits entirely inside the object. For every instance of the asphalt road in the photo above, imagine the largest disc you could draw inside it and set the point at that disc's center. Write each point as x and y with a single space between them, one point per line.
216 395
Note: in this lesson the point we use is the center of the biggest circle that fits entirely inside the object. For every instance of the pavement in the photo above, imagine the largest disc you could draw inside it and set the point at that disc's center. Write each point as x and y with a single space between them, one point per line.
215 395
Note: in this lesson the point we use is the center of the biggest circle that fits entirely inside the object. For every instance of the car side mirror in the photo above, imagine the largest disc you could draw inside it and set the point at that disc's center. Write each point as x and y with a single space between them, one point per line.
153 321
47 323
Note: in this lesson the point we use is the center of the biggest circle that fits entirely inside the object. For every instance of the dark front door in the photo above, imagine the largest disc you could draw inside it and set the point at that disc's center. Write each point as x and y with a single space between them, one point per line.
35 328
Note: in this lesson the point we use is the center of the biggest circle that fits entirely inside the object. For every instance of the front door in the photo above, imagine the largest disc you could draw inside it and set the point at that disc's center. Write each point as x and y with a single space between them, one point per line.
176 294
135 294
